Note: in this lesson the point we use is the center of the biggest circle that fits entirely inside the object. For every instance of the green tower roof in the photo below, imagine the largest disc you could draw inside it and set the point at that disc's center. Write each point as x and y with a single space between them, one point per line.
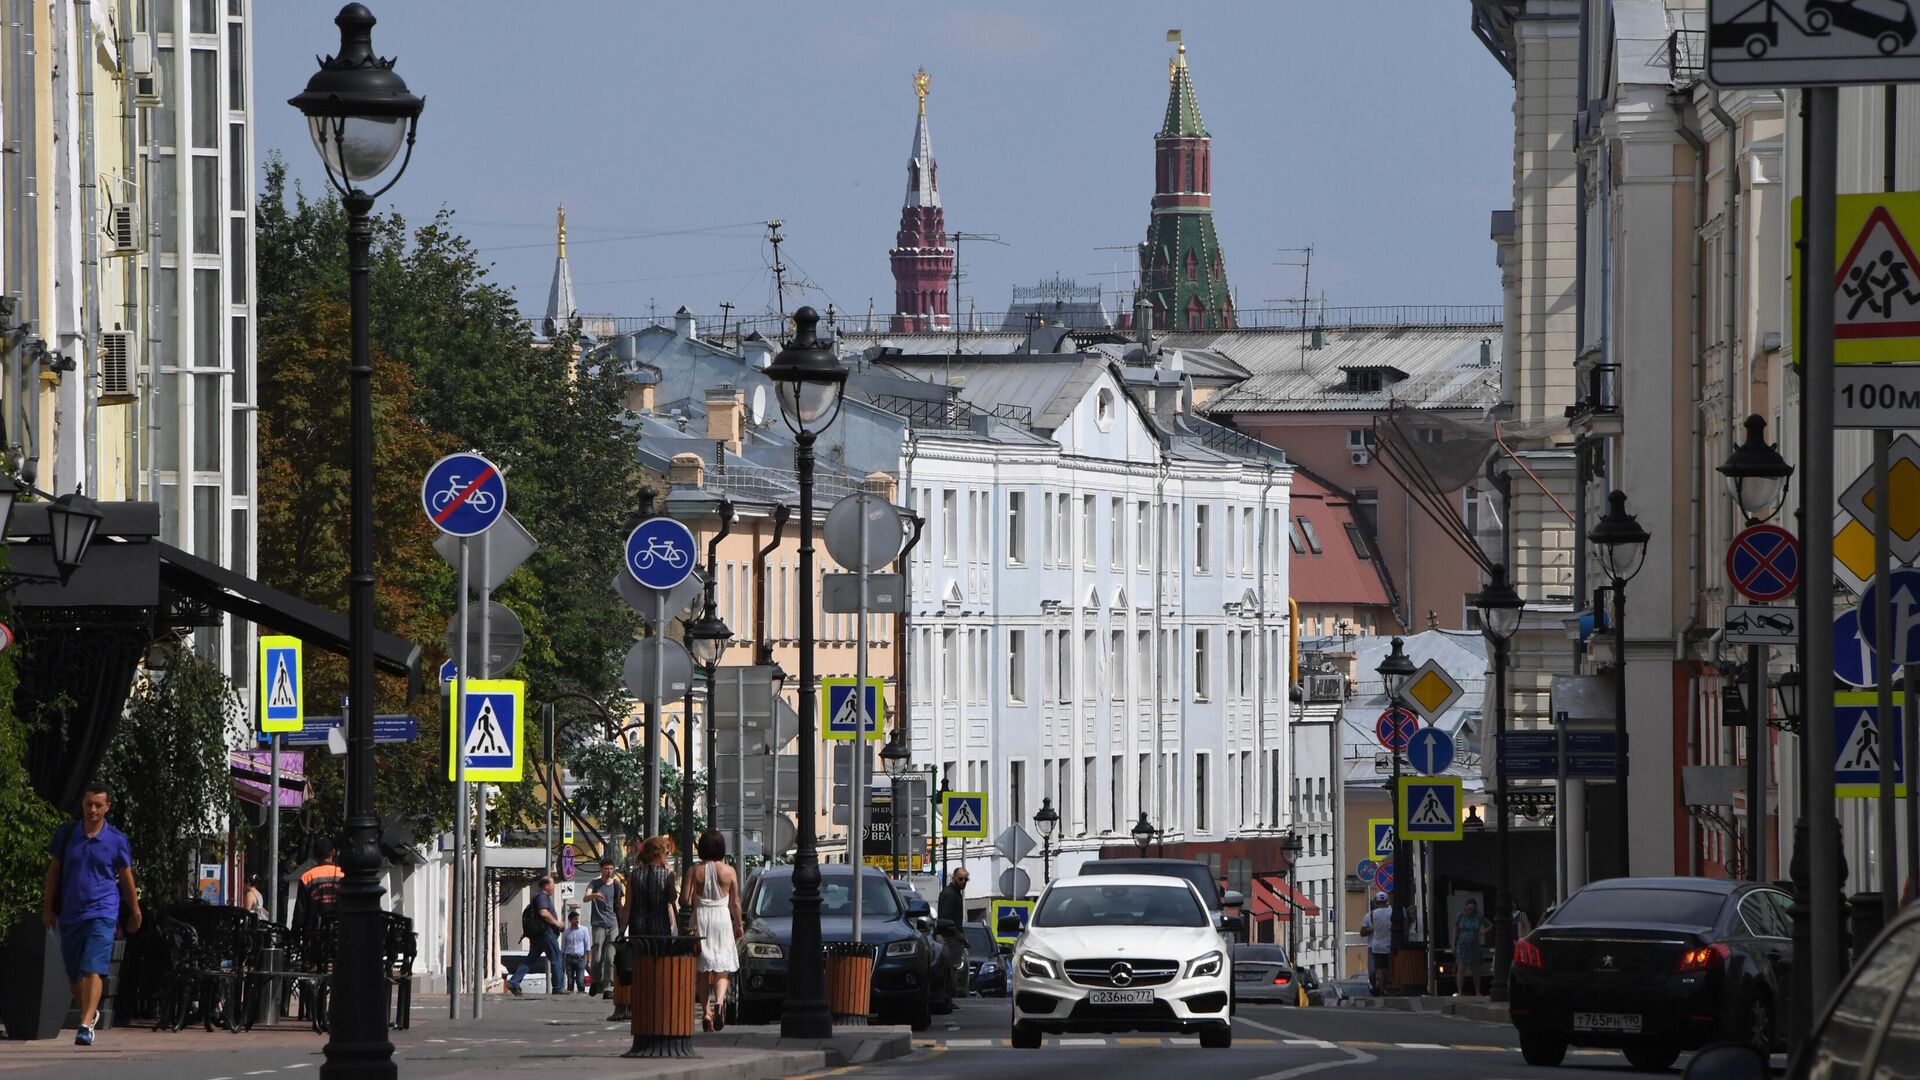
1183 109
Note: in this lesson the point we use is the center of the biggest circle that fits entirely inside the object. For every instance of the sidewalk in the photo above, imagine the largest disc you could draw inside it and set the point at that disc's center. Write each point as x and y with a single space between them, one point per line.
1470 1008
514 1035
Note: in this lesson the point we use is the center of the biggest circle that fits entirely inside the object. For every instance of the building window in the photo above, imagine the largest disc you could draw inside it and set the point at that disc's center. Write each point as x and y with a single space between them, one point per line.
1062 531
1063 667
1233 542
1103 410
1366 507
1017 528
1202 664
1017 666
1142 535
1086 531
1113 794
1017 790
1143 648
1246 540
1202 539
1306 530
1293 539
950 525
1193 267
1089 667
1142 784
1048 689
1117 665
950 666
1359 542
1117 533
1046 529
1360 438
1087 779
1246 663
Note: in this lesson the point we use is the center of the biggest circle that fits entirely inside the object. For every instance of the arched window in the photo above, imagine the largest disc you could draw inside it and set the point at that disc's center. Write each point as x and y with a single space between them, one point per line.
1190 173
1193 266
1195 314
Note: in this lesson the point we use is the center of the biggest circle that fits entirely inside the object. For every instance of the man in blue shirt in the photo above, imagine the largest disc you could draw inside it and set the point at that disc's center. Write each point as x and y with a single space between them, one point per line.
89 886
540 925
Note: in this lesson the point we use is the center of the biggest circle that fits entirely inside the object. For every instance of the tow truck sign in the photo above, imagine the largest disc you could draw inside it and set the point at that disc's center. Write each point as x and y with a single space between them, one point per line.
1811 42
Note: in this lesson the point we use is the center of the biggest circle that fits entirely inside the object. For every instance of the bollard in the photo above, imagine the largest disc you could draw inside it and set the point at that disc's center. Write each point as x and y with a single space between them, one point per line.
850 981
663 990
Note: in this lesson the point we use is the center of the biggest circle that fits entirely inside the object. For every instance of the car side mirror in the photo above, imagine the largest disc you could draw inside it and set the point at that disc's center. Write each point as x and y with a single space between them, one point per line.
1726 1061
922 923
1233 899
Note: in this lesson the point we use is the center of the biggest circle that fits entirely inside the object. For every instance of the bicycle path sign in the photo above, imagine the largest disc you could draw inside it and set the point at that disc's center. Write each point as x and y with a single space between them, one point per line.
1763 562
463 494
660 553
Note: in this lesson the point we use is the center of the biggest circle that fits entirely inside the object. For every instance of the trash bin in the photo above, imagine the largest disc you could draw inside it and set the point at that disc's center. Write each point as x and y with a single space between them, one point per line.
850 981
663 981
1864 922
34 996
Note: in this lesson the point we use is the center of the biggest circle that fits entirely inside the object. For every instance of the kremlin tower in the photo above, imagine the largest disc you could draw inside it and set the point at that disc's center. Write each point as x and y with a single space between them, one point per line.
1183 276
922 260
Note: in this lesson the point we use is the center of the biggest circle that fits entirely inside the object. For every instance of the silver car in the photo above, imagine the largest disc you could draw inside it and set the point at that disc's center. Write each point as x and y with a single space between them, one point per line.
1264 973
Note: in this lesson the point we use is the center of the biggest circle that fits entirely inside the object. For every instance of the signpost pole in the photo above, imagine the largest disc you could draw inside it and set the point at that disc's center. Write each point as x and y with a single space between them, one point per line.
857 813
273 868
740 755
1911 752
1757 763
546 768
462 807
1816 499
656 701
482 895
1886 855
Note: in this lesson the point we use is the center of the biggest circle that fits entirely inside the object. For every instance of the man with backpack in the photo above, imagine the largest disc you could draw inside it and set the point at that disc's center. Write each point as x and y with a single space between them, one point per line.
88 888
540 926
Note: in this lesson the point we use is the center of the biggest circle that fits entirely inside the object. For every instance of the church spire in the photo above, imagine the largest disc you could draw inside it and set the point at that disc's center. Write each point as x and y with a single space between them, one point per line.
562 309
922 261
1183 273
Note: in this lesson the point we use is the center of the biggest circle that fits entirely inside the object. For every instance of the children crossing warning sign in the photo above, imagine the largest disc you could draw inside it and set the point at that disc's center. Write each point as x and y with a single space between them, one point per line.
1430 808
1876 277
280 699
1859 743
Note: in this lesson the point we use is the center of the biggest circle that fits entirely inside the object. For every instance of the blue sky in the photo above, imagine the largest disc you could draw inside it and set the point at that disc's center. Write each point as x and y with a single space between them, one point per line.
1379 133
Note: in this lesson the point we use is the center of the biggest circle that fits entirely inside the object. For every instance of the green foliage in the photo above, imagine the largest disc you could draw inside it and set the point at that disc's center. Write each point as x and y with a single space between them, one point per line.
26 820
167 769
612 791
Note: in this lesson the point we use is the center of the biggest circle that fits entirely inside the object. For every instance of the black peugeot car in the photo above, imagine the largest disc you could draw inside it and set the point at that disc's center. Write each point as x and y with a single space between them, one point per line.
900 983
1653 966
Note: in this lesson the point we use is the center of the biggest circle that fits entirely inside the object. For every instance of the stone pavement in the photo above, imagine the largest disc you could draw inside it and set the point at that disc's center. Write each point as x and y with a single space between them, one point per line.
515 1035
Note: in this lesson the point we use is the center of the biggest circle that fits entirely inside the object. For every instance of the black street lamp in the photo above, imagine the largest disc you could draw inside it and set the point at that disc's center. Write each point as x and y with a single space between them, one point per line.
1757 478
1143 832
72 521
809 379
1621 544
1290 845
1500 609
1046 819
360 114
707 638
1394 671
897 760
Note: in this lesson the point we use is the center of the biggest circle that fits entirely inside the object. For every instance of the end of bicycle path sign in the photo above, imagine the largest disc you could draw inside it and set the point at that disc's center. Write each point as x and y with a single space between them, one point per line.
463 494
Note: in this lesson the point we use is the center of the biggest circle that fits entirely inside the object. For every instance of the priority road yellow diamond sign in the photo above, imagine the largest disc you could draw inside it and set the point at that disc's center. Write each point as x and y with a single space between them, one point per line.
1430 691
1902 502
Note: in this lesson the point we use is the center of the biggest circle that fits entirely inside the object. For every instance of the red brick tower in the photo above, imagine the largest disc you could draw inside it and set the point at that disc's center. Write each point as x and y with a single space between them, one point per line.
922 260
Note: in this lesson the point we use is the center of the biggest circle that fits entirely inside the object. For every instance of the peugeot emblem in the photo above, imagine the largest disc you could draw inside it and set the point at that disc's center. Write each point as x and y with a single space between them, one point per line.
1606 961
1120 974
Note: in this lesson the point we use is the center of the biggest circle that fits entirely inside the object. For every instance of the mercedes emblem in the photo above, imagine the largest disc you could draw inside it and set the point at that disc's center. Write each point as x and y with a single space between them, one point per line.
1120 974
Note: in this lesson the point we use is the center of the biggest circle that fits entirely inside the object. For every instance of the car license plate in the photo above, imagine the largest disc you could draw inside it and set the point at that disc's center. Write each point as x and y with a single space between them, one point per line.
1122 997
1249 976
1623 1022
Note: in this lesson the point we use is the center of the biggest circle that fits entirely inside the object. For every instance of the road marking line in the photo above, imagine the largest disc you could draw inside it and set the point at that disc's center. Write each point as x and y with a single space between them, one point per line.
302 1065
261 1072
1353 1057
1139 1042
1082 1042
1359 1044
459 1049
1493 1049
1422 1046
1592 1053
1319 1043
971 1044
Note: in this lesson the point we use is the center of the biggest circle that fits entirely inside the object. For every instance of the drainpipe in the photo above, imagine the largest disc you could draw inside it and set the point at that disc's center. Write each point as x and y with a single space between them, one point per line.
90 258
1696 509
1260 675
762 644
1159 633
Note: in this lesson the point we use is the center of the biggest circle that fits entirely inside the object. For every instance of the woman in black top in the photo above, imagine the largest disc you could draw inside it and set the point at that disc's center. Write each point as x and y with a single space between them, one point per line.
648 911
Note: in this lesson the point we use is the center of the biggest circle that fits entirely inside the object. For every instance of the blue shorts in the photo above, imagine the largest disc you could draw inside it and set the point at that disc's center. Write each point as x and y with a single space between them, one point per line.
87 947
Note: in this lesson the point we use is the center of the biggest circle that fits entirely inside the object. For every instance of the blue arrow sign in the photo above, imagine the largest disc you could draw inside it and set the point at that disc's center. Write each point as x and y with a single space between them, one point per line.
1430 750
1905 587
449 671
1852 656
660 553
463 494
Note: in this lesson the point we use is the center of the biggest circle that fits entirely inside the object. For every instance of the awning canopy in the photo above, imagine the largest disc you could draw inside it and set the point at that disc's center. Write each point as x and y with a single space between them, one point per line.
1274 898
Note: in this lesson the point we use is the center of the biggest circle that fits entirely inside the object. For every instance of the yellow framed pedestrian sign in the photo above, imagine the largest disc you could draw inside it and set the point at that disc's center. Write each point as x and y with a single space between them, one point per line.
490 732
282 701
1431 808
963 815
1380 838
1009 919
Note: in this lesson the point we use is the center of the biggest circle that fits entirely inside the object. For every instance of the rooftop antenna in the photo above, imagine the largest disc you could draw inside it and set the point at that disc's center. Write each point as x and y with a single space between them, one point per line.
726 319
953 319
779 269
1305 263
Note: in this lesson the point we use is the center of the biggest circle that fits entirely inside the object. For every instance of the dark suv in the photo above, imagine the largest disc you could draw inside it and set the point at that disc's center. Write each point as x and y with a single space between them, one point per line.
1186 869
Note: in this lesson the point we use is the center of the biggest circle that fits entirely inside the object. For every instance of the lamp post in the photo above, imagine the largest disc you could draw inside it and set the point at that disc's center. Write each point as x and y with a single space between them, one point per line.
1290 844
707 638
1046 819
1143 833
809 379
72 521
1757 478
1500 608
897 760
1621 544
1394 672
360 115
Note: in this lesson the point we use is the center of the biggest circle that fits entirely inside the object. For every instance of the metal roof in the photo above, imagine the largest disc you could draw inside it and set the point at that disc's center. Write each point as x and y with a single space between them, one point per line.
1443 366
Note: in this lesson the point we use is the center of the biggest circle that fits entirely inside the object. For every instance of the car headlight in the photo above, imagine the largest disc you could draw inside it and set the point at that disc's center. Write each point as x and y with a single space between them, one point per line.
1034 967
901 948
764 950
989 968
1207 964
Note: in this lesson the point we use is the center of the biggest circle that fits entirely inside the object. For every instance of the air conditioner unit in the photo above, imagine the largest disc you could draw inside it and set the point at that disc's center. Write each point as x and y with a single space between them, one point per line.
123 230
146 87
1361 457
116 367
1326 687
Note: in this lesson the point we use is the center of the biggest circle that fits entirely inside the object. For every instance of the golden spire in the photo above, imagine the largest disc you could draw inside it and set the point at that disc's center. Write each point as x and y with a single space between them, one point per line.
1180 60
560 221
921 80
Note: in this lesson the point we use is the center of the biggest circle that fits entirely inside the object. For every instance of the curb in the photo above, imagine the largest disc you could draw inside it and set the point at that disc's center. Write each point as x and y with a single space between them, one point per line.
855 1047
759 1066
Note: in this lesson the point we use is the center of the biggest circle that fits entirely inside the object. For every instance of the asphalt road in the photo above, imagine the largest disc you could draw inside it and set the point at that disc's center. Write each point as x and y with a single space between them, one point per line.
1270 1041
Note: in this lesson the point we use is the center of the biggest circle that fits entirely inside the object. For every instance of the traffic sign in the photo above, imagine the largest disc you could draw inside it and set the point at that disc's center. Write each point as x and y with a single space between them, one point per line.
1431 808
1015 882
500 551
660 553
463 494
886 594
1365 871
1762 624
1430 750
1903 499
1858 744
1009 919
1383 877
1853 658
1774 43
1380 832
664 654
506 640
1904 585
282 697
1853 551
1876 308
840 717
490 731
1395 728
449 671
882 535
566 862
1430 691
963 815
1014 843
387 728
1763 562
1880 396
1529 755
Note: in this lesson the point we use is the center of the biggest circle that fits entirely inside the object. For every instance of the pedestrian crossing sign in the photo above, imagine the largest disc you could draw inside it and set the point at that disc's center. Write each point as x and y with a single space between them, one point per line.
282 706
1381 832
963 815
490 731
840 716
1857 746
1009 919
1430 808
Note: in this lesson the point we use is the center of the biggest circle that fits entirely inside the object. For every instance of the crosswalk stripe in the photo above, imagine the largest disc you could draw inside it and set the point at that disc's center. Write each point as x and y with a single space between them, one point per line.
1318 1043
1421 1046
1139 1042
971 1044
1085 1042
1494 1049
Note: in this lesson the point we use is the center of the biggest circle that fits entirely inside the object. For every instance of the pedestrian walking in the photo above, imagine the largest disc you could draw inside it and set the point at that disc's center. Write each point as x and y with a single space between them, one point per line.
1377 926
950 918
713 891
318 890
540 926
606 895
88 890
573 952
1469 947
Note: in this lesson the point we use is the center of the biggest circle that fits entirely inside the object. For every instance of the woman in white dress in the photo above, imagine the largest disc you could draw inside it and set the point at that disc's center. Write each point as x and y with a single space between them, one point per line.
713 891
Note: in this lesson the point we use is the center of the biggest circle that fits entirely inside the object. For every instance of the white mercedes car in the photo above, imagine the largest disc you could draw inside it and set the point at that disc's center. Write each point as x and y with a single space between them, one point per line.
1122 953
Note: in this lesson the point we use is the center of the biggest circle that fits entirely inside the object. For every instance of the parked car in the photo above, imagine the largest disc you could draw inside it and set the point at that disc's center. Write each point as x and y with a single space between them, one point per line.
1341 991
1653 966
1131 952
1263 973
901 993
987 964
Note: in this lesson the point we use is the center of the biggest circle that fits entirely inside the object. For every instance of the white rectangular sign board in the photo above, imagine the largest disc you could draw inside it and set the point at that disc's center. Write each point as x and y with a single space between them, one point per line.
1761 624
1775 43
1876 396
